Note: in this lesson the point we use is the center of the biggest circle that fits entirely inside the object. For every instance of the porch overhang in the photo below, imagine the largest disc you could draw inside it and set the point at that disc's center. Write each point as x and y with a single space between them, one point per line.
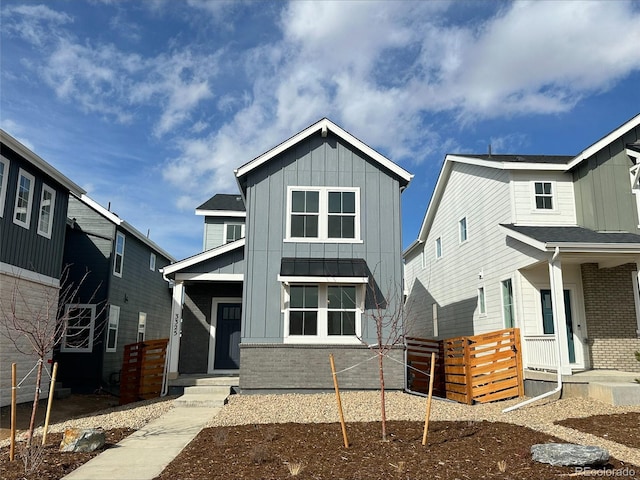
323 270
183 270
574 239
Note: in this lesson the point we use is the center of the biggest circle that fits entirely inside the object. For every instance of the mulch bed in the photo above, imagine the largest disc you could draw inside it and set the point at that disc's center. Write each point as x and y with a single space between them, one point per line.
623 428
455 450
55 464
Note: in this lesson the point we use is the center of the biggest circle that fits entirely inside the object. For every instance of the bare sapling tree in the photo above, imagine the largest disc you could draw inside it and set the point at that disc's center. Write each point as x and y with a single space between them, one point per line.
35 328
389 315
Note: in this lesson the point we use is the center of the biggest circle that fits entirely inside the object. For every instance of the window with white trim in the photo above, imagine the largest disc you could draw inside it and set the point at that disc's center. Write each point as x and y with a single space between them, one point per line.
438 247
24 199
79 323
47 207
434 315
327 214
543 194
481 301
118 257
4 177
323 313
142 326
462 230
508 311
233 232
152 262
112 328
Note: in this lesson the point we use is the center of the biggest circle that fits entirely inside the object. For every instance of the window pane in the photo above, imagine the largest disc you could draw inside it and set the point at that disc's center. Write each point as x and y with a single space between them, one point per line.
310 297
311 226
546 187
297 225
348 227
295 323
334 226
111 339
335 323
538 187
349 202
296 295
297 201
335 202
313 202
348 297
310 323
348 323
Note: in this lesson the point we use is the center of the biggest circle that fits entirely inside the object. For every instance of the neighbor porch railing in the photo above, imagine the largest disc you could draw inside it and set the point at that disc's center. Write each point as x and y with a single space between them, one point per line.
540 351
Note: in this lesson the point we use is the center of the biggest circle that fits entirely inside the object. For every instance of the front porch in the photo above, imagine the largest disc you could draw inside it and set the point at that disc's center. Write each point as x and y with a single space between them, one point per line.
614 387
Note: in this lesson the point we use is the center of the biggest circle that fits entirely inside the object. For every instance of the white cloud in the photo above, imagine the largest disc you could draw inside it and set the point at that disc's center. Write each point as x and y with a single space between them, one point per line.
33 23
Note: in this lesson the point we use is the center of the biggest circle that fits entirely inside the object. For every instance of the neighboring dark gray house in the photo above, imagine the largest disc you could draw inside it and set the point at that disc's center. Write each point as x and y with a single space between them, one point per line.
124 298
322 250
33 212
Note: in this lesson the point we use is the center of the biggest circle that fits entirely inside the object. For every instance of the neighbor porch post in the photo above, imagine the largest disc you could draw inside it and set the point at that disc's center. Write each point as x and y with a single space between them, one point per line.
176 329
559 317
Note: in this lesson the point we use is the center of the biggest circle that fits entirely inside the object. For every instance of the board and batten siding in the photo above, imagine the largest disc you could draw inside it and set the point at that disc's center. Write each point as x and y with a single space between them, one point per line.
525 213
483 196
25 248
603 188
315 161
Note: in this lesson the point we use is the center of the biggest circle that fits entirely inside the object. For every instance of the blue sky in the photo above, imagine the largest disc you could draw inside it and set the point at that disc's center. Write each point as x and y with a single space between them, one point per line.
150 105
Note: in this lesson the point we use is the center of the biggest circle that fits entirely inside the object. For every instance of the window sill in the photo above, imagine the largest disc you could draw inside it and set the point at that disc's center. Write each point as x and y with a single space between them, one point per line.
316 340
322 240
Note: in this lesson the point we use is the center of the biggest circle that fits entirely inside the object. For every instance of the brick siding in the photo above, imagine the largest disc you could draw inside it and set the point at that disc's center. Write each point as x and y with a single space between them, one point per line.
272 367
611 316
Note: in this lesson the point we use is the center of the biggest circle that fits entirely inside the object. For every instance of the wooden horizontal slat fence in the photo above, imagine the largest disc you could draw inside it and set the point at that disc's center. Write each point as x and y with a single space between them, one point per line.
481 368
419 365
142 370
484 368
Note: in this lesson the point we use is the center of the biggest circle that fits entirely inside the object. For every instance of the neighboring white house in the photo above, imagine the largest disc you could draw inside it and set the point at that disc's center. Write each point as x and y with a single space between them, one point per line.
518 240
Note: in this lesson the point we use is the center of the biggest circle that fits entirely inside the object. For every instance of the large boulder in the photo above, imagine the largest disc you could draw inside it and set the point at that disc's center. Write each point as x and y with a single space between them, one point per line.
569 454
82 440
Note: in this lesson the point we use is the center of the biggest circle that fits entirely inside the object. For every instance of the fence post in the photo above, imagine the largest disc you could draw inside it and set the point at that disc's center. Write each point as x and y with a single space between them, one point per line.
467 370
516 333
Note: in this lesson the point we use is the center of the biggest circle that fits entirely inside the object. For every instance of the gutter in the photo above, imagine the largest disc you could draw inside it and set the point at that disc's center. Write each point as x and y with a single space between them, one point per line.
559 376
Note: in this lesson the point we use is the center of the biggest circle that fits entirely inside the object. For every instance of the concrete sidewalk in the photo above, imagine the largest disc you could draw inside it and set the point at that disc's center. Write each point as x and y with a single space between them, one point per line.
144 454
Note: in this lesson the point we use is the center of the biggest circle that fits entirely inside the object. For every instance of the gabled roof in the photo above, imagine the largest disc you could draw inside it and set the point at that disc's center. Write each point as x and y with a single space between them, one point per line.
39 163
322 127
573 238
116 220
223 205
202 257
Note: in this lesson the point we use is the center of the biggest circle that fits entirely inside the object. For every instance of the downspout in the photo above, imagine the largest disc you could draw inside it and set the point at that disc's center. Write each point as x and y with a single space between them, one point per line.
167 357
558 353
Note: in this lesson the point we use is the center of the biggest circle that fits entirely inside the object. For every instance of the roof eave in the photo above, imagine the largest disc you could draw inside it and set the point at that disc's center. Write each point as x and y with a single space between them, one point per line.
40 163
201 257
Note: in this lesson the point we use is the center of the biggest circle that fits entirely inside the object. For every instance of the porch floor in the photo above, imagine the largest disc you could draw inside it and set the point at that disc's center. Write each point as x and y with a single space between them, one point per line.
587 376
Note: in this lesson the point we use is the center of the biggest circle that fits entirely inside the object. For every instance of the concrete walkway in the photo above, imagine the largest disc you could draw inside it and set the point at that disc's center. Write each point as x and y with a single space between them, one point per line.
144 454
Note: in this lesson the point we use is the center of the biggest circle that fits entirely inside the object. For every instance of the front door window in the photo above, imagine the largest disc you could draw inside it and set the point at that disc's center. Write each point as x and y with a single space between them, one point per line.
547 319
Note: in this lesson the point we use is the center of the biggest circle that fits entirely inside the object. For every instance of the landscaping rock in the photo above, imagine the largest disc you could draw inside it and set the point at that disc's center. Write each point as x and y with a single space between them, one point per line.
82 440
569 454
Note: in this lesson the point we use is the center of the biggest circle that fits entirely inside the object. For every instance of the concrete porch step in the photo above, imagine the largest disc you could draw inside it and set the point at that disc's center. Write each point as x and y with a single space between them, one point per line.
615 393
203 396
204 380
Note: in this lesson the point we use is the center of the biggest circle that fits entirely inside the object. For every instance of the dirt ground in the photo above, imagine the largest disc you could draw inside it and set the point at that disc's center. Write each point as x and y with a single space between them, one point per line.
61 409
455 450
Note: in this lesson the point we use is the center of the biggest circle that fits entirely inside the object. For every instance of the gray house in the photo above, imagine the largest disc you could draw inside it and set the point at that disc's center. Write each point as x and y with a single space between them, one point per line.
320 251
123 300
33 212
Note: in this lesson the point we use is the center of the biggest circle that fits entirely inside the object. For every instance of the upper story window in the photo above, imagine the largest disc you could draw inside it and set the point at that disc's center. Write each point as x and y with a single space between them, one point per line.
462 230
323 214
47 206
152 262
439 247
142 326
481 301
112 328
118 258
543 192
4 176
24 199
233 232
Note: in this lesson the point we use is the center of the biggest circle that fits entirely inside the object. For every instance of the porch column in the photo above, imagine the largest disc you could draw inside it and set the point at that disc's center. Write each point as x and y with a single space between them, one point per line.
176 329
559 317
636 294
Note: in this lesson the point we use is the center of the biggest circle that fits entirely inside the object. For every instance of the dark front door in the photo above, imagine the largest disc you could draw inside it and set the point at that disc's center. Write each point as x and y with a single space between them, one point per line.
547 319
227 355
